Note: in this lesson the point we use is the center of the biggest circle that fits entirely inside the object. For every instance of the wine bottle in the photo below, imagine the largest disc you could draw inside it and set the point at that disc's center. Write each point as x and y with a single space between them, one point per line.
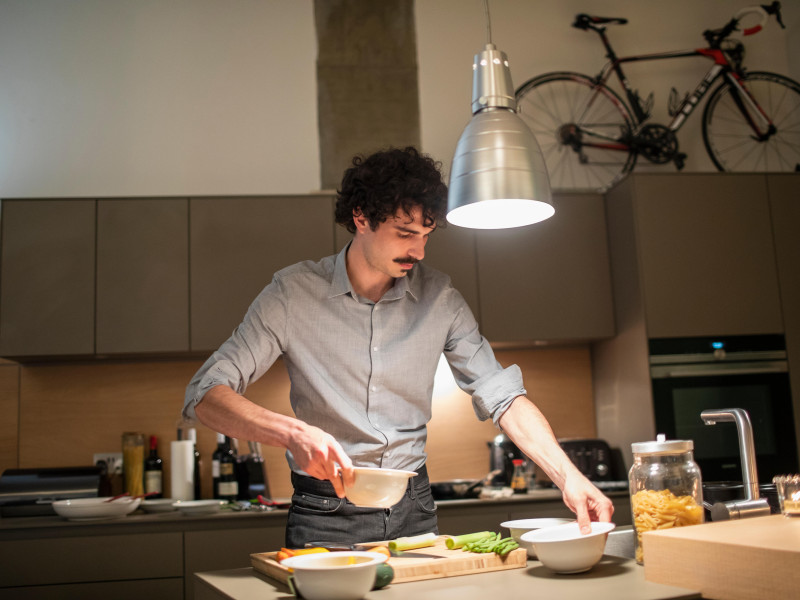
154 471
228 485
215 458
197 463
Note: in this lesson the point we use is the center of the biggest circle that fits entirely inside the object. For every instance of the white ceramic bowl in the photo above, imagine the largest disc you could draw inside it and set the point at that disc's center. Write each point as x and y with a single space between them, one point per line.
158 505
520 526
198 507
91 509
378 488
564 549
334 575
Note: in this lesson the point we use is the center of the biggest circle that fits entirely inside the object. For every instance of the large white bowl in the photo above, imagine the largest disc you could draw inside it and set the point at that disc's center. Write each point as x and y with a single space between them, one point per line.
90 509
564 549
378 488
334 575
520 526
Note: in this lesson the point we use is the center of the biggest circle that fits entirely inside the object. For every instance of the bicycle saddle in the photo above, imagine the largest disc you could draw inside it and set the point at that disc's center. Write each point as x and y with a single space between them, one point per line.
584 21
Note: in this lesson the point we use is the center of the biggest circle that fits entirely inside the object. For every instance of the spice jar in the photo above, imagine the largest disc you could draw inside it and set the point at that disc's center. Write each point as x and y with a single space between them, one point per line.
666 487
519 482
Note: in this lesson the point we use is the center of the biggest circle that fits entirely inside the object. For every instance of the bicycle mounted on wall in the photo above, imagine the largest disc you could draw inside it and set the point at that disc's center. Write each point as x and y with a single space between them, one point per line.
591 138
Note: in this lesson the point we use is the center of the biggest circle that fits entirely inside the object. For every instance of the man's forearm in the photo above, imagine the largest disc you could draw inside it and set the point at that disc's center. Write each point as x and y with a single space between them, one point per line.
528 428
227 412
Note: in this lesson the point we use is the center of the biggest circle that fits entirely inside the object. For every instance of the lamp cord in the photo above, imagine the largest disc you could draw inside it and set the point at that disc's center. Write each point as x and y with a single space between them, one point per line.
488 22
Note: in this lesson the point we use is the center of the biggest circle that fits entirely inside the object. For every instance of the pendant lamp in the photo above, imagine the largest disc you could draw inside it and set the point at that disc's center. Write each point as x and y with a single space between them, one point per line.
498 177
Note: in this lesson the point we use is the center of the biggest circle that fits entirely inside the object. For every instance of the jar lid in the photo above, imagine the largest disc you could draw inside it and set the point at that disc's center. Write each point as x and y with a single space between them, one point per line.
662 445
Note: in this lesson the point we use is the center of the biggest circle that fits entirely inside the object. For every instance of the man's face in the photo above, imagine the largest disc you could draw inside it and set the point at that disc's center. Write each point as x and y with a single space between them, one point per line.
396 244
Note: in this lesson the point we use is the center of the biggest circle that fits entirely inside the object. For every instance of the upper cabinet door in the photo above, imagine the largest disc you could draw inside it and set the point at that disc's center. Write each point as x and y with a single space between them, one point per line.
548 281
142 275
47 277
707 256
237 244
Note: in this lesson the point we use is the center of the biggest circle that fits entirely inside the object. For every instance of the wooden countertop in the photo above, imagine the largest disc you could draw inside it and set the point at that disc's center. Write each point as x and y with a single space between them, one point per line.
613 579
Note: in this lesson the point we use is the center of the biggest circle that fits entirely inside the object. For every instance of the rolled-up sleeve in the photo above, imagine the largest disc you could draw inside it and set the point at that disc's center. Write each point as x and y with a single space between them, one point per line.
247 354
476 369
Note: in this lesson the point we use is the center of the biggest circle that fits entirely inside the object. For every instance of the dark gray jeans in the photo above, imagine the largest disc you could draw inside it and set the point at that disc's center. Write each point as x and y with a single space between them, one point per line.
318 515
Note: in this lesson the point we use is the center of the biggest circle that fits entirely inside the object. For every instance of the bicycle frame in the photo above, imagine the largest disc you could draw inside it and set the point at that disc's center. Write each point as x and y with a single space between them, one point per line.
721 67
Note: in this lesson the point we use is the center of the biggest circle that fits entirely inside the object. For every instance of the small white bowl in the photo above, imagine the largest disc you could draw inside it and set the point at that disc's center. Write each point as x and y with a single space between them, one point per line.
564 549
334 575
520 526
198 507
158 505
378 488
92 509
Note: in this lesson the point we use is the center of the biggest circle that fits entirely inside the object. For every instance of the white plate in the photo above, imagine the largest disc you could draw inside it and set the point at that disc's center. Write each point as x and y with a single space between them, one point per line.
158 505
198 507
85 509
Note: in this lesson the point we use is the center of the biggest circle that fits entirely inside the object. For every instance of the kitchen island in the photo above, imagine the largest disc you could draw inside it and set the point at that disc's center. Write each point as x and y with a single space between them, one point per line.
157 555
613 578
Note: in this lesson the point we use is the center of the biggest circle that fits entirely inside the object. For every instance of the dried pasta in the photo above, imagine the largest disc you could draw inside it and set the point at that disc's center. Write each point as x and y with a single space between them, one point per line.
653 510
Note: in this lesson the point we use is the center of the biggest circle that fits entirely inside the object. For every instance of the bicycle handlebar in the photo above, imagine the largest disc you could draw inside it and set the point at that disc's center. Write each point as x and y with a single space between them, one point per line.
714 37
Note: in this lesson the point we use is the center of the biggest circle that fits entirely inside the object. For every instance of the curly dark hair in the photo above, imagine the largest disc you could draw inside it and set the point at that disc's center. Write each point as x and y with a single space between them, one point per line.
380 184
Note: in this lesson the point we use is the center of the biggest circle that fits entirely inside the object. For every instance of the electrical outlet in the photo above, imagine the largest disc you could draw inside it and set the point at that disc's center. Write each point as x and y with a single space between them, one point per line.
113 461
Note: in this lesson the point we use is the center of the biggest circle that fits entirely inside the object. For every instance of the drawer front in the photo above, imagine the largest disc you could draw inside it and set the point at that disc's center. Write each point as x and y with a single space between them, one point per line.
151 589
93 558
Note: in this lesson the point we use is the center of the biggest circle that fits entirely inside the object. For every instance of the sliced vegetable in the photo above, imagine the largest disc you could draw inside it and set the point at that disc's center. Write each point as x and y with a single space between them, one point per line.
285 553
412 542
458 541
380 550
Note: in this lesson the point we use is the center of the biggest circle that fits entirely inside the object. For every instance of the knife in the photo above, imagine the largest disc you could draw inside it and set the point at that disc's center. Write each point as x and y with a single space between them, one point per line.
337 546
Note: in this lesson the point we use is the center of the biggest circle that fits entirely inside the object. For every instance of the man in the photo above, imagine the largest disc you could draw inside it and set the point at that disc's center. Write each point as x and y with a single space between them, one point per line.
361 334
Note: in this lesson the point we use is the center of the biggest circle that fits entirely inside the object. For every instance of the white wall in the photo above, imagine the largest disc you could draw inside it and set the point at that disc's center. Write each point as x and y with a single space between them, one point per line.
157 97
202 97
537 37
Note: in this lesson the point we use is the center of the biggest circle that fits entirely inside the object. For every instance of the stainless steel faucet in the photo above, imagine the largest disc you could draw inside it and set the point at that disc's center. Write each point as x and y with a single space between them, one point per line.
752 505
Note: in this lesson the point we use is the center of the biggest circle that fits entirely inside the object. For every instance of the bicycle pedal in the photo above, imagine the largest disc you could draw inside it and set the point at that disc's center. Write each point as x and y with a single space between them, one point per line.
680 161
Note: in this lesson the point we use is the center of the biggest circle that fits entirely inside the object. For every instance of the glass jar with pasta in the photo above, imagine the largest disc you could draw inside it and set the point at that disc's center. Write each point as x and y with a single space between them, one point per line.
666 487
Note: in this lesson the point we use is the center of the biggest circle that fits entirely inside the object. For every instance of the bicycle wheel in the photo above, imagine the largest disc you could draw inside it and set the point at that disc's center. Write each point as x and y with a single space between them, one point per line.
732 143
580 127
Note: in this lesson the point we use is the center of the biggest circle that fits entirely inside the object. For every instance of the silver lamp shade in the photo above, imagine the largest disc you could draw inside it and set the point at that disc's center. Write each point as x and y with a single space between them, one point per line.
498 178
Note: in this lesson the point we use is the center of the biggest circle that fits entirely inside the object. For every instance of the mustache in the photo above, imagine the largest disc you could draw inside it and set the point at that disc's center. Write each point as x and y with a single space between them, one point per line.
406 260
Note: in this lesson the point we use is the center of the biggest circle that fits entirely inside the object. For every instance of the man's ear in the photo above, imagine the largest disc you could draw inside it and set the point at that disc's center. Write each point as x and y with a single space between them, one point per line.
361 222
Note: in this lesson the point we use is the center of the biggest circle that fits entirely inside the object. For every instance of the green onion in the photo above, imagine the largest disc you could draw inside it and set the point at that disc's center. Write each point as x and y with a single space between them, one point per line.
460 540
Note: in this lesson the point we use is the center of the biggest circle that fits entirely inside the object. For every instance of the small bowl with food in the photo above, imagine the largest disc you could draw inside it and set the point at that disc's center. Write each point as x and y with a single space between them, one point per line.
520 526
345 575
564 549
377 488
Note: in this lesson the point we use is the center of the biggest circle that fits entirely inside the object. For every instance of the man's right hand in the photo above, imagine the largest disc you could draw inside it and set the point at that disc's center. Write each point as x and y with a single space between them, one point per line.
314 451
321 456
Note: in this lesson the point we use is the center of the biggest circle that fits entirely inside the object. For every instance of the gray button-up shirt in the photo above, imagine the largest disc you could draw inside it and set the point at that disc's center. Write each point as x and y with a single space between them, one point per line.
362 371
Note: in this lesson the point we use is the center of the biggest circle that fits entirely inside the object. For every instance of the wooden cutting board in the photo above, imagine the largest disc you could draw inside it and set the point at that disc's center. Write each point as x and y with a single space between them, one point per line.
409 568
736 560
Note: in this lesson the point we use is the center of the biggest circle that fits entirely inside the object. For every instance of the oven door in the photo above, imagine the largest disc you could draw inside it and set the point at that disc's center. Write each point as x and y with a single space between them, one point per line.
682 391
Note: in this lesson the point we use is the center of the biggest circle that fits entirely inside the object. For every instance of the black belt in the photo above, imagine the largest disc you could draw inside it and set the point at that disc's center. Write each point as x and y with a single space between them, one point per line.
323 487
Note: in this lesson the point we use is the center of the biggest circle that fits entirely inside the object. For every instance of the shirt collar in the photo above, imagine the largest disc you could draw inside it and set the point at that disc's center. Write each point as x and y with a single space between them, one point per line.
341 282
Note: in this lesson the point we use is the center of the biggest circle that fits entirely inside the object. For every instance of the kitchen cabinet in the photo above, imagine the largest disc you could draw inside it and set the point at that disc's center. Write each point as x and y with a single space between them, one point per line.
88 567
548 281
784 196
704 247
142 276
47 277
237 244
692 254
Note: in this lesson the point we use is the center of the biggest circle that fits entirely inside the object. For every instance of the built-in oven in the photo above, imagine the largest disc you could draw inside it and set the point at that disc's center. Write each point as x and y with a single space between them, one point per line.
690 375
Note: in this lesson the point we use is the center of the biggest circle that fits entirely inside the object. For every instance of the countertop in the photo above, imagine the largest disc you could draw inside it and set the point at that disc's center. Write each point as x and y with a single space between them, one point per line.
54 525
613 578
